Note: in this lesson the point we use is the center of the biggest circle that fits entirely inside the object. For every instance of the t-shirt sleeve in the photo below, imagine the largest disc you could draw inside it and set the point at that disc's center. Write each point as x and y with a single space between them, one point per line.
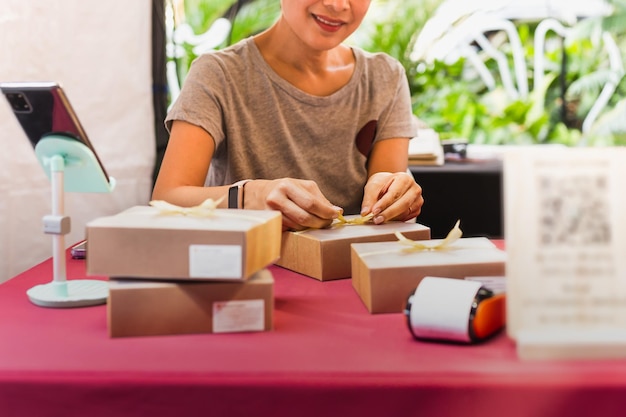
199 102
397 119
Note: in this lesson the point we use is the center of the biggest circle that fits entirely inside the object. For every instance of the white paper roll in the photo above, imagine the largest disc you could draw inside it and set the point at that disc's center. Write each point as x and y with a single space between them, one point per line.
441 307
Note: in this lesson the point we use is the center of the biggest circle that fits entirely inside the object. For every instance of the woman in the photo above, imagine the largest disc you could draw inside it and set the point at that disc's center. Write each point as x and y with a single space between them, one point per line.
294 120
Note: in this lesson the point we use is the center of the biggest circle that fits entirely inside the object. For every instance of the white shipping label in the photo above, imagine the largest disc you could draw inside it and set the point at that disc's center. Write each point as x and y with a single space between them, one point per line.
440 308
215 261
238 316
496 284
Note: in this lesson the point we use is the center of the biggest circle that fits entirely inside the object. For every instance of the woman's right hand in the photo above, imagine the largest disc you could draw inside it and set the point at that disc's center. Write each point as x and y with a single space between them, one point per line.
301 202
185 166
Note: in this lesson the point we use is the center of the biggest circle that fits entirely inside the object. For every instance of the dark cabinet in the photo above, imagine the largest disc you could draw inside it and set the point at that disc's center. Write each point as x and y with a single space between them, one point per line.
470 191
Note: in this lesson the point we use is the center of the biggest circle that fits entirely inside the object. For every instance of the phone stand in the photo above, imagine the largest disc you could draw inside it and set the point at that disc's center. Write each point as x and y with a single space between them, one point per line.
70 166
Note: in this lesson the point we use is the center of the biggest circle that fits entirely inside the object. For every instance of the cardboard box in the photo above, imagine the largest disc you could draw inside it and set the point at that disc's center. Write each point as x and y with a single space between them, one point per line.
324 254
141 242
149 308
384 275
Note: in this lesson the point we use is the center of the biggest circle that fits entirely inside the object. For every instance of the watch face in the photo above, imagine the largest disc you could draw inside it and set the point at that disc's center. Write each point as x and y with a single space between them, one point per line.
233 197
235 194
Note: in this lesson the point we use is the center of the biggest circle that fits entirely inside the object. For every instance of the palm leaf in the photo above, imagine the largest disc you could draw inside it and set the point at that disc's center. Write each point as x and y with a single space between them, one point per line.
253 18
590 83
611 122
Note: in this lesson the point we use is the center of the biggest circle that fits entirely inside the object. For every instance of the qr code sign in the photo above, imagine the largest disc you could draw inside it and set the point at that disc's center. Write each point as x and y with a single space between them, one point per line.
574 210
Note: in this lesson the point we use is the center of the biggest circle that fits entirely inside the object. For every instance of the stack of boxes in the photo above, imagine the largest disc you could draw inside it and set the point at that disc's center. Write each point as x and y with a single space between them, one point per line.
324 254
178 273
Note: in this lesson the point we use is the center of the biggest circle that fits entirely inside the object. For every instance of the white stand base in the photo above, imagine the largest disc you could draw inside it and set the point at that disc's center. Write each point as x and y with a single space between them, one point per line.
74 293
55 153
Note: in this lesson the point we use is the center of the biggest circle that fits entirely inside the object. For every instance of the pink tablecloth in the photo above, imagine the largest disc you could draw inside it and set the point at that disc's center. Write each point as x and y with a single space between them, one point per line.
327 356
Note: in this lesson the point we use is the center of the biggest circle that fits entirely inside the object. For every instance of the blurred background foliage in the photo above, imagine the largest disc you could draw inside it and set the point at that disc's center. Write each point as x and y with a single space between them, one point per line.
447 94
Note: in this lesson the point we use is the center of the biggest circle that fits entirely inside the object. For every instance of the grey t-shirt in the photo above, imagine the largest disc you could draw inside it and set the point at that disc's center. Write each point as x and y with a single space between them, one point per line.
265 128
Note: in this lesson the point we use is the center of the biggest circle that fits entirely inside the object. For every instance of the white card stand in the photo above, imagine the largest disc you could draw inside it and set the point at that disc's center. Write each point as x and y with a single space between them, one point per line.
69 164
565 217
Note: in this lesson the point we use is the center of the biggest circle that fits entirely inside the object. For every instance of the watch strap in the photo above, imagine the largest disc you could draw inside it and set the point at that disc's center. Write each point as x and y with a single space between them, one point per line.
235 194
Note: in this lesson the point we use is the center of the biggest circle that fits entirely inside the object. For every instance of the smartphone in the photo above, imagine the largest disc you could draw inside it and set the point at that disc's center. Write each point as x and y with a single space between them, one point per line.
79 251
43 109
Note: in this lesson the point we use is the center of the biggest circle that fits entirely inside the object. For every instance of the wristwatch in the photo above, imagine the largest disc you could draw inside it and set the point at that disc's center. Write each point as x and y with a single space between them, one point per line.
235 194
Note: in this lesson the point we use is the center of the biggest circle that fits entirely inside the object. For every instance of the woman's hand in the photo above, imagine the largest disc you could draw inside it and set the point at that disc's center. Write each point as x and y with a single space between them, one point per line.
392 196
300 201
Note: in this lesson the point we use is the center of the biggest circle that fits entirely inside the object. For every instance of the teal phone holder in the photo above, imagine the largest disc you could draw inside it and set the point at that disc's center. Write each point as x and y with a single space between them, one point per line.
71 166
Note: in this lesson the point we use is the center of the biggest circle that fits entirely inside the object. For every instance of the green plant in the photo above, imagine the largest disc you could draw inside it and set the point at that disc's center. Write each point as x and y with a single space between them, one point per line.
391 25
247 17
253 18
200 14
451 98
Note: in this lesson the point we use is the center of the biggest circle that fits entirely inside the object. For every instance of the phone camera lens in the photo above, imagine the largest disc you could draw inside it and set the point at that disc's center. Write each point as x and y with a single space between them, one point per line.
19 102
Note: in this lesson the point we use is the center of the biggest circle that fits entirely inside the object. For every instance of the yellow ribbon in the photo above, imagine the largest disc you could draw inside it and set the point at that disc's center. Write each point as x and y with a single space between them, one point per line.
341 220
204 209
413 246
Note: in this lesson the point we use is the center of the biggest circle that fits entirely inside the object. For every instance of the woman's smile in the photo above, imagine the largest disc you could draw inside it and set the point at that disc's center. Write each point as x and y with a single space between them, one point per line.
328 24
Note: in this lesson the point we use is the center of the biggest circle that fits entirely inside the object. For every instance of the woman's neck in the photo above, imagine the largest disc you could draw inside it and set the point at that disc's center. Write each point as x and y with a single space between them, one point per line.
317 72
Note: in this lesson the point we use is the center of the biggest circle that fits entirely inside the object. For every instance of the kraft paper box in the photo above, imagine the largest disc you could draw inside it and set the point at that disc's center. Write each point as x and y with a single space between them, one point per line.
143 242
324 254
384 275
150 308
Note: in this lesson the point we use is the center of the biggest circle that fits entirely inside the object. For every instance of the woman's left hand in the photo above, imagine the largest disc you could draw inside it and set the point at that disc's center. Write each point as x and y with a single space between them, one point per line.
392 196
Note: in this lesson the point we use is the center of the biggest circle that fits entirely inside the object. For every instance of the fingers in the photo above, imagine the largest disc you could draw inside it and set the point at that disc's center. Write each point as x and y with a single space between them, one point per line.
392 196
377 186
413 211
302 204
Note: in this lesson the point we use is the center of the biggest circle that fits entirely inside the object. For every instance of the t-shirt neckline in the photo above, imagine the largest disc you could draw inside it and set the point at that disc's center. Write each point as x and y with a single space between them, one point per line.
295 91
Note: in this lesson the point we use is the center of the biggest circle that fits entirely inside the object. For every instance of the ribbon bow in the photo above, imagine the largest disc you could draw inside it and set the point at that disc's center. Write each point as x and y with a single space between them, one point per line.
205 209
413 246
341 220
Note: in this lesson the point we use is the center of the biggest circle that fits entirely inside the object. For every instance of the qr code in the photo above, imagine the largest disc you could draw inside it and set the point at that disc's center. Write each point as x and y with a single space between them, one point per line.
574 210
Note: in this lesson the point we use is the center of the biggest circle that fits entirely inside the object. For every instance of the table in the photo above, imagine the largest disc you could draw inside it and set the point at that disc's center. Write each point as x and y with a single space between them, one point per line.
327 356
469 190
